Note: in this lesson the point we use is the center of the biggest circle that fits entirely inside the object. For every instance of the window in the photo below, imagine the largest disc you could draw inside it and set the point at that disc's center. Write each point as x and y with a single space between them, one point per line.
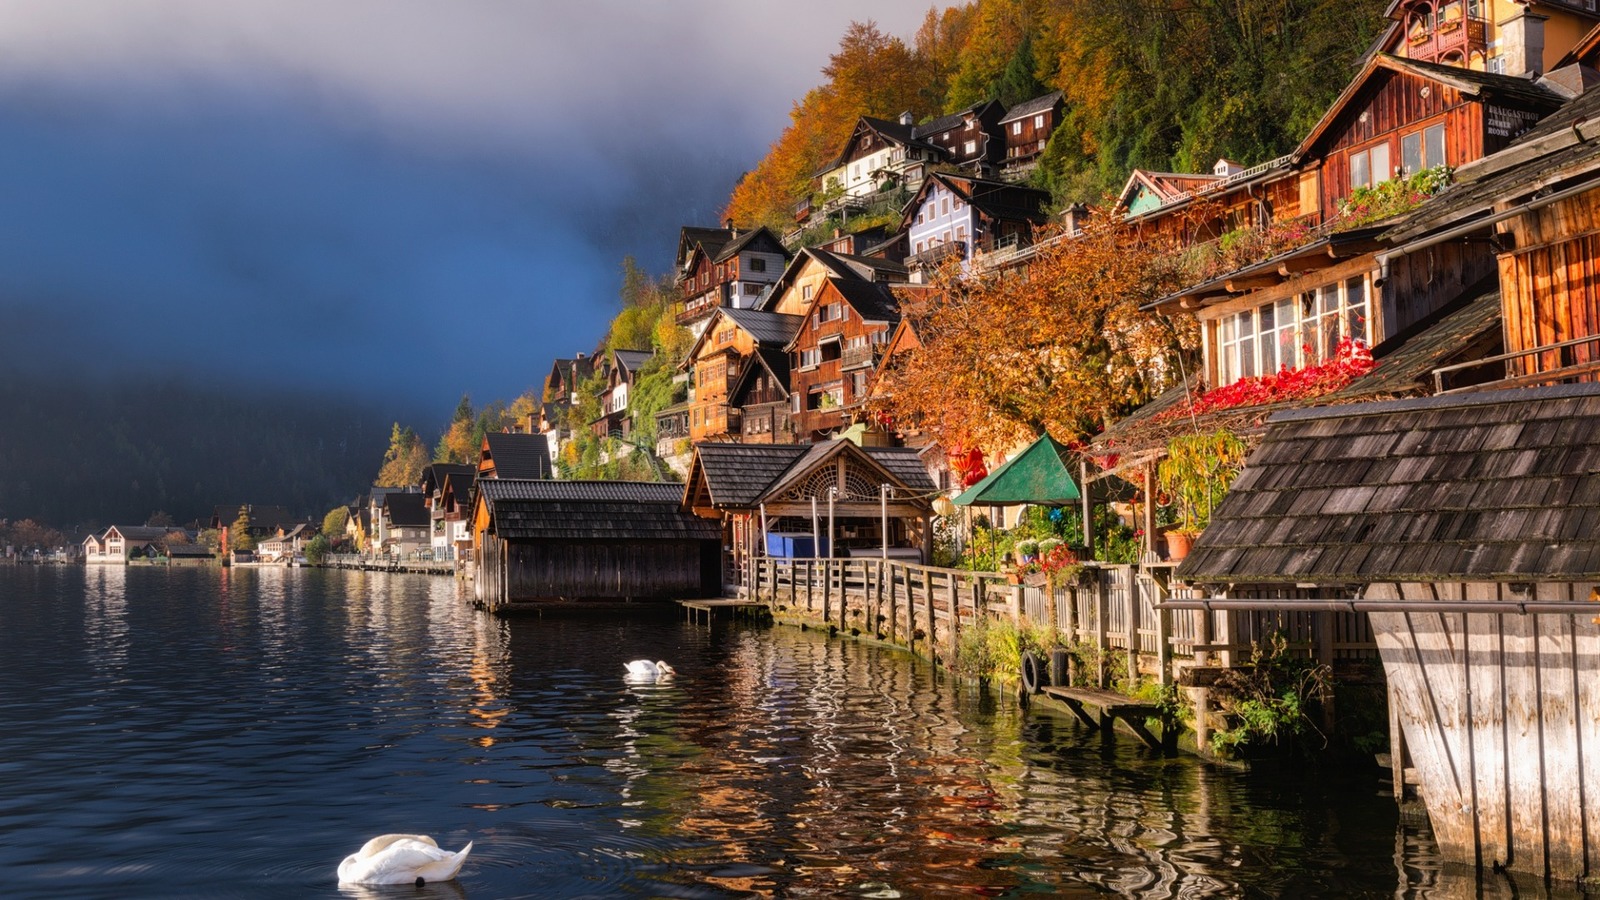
971 147
1422 149
1292 332
858 386
805 292
1038 121
1370 166
1016 127
757 264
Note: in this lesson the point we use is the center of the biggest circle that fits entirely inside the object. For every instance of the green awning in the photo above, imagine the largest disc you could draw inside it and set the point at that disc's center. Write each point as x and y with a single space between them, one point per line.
1041 475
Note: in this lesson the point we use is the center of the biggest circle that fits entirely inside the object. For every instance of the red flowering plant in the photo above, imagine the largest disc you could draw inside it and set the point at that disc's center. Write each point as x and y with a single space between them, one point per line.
1350 360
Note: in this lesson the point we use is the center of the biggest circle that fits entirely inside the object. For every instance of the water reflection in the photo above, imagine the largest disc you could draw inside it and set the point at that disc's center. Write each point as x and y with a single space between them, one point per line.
213 734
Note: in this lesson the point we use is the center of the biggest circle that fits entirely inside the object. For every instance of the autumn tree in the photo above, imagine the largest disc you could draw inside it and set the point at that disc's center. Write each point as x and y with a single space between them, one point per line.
1062 348
871 74
335 523
404 461
239 538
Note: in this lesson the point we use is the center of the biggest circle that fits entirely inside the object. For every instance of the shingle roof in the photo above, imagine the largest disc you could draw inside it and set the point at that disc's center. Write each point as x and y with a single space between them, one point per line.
874 301
632 359
519 455
904 463
141 533
1030 107
406 510
737 245
435 475
768 328
1495 486
592 510
738 474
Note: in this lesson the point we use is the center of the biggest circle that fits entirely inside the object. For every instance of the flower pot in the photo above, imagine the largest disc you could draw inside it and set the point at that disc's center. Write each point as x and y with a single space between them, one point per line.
1178 544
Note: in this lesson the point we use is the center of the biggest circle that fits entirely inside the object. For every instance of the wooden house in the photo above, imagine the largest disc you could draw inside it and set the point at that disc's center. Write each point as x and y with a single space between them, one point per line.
725 268
405 524
549 542
761 395
834 353
717 359
446 532
1026 129
969 139
124 542
1463 526
1524 38
455 502
505 455
843 494
94 549
813 266
879 155
286 545
621 370
962 218
672 429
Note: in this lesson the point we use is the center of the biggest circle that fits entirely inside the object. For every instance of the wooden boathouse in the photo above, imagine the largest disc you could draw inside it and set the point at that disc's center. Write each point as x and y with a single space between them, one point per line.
590 541
1468 528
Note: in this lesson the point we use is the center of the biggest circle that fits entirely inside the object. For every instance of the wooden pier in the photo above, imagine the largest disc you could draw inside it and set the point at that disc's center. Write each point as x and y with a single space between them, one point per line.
1110 707
706 610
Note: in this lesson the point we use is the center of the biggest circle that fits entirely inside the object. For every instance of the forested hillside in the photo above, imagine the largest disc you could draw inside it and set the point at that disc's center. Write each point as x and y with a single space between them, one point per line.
1169 85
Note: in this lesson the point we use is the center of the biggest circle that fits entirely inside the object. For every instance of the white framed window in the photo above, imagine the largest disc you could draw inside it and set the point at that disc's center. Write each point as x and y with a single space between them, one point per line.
1370 166
1293 332
1422 149
971 147
1038 121
1016 127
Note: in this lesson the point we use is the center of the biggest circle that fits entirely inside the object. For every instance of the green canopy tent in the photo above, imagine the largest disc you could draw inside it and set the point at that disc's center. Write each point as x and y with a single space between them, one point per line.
1042 475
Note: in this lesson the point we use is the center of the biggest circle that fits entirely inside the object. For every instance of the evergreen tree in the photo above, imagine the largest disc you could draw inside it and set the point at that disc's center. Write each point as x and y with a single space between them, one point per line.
239 537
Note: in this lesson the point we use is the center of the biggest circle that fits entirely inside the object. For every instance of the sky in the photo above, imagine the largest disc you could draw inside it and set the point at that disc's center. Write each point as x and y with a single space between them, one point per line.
400 200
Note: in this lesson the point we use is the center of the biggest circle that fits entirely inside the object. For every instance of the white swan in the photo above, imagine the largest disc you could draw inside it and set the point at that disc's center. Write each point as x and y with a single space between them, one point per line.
401 859
644 668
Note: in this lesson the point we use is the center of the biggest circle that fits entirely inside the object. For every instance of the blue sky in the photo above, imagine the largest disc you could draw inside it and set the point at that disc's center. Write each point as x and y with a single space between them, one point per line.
401 200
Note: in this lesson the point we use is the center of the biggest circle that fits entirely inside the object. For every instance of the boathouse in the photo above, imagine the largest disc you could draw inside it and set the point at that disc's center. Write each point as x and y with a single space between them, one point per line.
1468 527
835 496
587 541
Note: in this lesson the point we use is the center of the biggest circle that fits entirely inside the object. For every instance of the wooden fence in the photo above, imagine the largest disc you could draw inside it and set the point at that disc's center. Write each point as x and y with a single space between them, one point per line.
1112 608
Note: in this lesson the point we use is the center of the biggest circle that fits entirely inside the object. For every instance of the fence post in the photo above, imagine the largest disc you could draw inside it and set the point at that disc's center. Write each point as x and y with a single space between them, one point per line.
1100 631
953 596
933 621
1135 595
1164 646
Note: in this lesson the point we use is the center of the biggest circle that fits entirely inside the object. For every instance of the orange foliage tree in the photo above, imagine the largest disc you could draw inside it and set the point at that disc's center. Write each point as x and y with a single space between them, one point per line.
871 74
1059 347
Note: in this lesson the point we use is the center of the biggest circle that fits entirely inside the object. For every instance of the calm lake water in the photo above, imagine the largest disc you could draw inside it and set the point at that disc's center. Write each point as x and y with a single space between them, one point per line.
205 733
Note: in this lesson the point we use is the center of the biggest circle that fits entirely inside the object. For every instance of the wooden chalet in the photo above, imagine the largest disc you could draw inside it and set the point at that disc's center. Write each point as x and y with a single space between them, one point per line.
506 455
622 367
761 395
406 525
961 217
969 139
1463 525
789 486
725 267
121 543
813 267
561 393
717 359
286 545
448 529
548 542
878 155
1026 129
834 353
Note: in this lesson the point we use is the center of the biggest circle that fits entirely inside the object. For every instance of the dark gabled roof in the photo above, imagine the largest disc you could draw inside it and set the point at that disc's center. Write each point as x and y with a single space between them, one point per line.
875 301
772 361
945 123
1030 107
769 329
736 475
406 510
895 132
1502 485
519 455
631 360
707 240
904 463
738 244
435 475
592 510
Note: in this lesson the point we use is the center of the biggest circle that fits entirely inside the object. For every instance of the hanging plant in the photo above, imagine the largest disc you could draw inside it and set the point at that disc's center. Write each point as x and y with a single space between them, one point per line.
1197 472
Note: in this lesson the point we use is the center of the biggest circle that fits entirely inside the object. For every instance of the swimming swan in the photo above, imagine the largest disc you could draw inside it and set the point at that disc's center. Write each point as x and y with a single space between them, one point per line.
401 859
644 668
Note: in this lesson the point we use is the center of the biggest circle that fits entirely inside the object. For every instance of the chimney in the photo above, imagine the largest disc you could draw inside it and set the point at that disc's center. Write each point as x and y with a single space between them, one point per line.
1522 44
906 119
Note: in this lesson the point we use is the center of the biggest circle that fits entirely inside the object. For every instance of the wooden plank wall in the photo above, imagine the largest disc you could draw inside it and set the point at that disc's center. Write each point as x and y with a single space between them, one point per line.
513 573
1550 284
1502 717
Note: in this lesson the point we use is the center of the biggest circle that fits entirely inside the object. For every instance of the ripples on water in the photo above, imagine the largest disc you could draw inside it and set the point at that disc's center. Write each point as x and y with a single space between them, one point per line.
211 733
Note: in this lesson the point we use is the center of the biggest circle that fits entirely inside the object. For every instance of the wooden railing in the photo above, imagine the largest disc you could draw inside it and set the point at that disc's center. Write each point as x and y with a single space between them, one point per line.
1112 608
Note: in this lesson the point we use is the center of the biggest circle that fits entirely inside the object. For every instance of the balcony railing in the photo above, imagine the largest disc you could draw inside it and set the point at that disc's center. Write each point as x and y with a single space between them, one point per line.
1457 37
861 357
936 254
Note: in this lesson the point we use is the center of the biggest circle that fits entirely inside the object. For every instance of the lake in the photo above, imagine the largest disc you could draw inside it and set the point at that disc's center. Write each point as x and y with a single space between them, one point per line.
235 733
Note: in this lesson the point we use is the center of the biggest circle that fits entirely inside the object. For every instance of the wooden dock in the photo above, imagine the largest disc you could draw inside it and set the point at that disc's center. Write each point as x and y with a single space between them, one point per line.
1109 706
696 610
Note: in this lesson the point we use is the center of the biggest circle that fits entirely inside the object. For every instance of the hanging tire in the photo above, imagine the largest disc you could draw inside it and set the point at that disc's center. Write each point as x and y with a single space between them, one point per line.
1033 673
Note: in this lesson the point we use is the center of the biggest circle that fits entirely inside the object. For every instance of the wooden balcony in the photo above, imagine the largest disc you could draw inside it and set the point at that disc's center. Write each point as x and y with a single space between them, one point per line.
938 253
861 357
1452 39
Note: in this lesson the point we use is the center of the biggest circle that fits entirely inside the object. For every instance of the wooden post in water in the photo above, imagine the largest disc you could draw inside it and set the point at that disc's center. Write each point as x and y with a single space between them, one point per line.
1135 611
933 620
953 596
1100 633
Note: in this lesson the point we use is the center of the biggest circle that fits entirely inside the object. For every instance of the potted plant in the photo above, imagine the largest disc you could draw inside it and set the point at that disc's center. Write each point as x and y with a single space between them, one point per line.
1195 475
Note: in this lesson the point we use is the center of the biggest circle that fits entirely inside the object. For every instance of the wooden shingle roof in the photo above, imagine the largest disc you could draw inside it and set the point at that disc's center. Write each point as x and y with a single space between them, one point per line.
1495 486
519 455
736 475
531 509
